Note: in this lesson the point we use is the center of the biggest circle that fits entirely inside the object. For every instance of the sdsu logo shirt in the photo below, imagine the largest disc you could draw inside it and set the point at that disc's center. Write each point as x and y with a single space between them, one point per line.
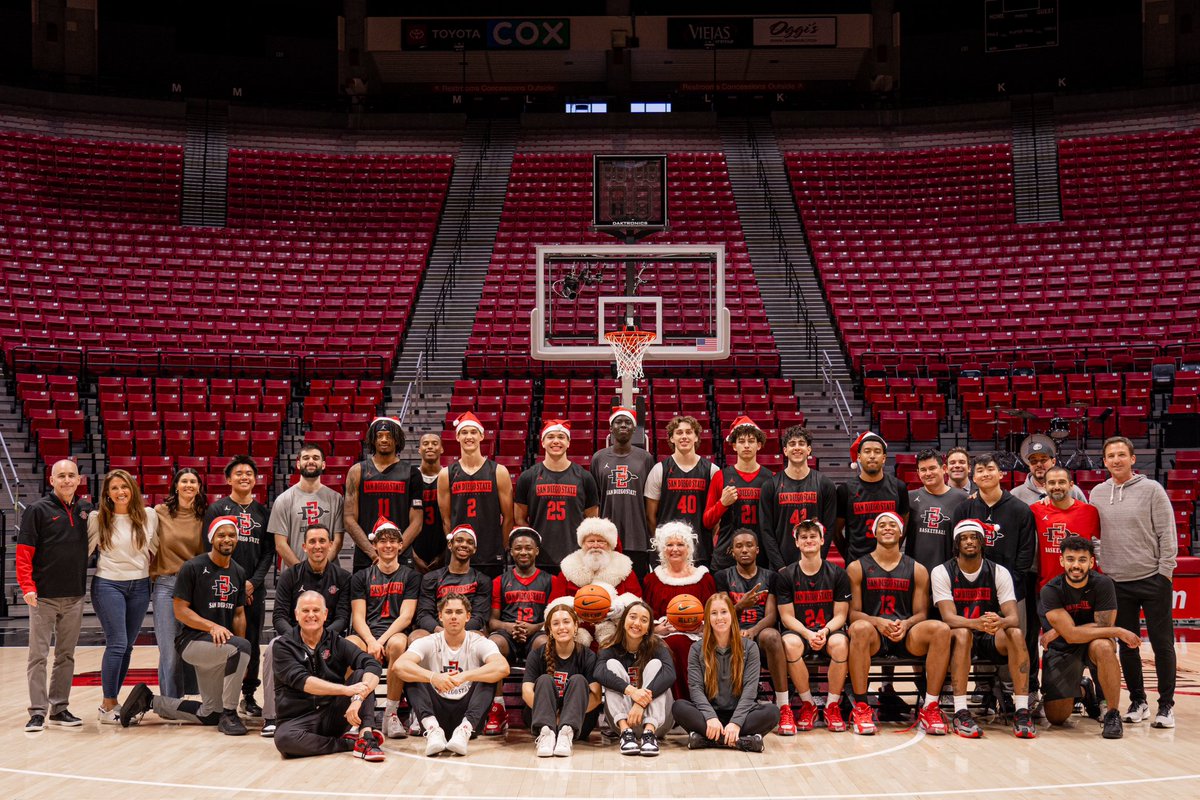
212 591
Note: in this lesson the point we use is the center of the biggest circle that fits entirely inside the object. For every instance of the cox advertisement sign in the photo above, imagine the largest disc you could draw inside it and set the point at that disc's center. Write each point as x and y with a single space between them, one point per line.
485 34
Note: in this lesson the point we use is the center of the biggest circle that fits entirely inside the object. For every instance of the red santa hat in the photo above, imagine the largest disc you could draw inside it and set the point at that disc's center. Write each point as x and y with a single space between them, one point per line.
383 524
742 422
560 425
221 522
893 516
863 438
597 526
467 529
622 411
468 420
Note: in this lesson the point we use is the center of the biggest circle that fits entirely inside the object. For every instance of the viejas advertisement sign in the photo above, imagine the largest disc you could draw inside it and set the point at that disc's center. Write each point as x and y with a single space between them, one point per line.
485 34
691 33
795 32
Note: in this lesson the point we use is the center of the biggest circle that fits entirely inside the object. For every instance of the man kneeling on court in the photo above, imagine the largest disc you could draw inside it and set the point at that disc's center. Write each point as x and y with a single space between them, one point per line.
975 597
210 605
450 678
325 687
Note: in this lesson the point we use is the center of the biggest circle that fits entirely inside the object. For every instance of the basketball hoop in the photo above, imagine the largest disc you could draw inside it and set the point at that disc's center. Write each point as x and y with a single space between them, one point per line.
629 346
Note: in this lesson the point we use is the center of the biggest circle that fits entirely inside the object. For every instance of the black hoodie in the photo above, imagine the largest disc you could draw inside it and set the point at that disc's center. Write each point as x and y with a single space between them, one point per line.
330 661
1012 539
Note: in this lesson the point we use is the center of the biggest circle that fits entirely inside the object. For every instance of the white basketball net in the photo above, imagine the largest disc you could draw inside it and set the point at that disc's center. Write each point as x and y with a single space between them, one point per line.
629 347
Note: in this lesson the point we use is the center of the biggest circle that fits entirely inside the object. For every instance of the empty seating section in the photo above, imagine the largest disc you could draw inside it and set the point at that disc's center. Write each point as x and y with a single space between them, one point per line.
772 405
50 404
505 408
335 416
549 202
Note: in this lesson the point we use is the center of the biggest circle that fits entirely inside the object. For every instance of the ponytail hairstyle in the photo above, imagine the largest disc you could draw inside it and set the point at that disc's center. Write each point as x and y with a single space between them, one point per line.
137 510
736 651
550 651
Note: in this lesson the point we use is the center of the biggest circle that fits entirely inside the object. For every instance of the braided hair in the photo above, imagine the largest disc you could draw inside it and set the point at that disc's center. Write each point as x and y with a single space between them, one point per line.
550 651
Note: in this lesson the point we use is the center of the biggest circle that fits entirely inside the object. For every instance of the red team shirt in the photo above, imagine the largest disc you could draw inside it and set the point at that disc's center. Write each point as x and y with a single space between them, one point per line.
1054 525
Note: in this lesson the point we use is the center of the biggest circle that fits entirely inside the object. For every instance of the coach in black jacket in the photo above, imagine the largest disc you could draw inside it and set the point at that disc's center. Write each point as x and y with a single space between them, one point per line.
316 705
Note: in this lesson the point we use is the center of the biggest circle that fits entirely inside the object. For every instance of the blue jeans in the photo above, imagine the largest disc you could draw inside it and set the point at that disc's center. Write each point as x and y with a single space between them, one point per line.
172 674
121 607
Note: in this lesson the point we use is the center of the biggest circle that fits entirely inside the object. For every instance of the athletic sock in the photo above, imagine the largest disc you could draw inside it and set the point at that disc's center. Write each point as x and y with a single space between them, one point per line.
930 698
391 706
781 699
832 699
429 723
1021 702
806 697
960 702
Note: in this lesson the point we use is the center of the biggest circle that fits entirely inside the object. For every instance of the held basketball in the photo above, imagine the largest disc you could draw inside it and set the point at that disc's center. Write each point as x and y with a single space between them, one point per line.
592 603
685 612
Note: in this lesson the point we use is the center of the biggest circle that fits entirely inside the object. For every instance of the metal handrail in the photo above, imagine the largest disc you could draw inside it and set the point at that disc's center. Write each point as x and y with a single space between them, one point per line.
13 489
414 388
831 384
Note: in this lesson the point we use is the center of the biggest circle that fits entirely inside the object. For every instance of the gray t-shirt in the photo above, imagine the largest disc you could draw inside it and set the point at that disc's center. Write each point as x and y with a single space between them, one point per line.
621 481
930 535
295 510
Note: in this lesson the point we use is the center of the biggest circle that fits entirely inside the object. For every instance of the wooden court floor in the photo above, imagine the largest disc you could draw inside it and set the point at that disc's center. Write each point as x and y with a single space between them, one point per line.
163 760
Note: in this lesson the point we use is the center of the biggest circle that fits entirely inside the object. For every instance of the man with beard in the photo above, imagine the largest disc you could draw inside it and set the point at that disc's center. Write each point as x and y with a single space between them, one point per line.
931 509
378 487
595 562
307 503
1039 456
678 486
428 551
733 501
974 596
1059 517
476 492
555 495
958 469
795 494
210 605
865 496
620 472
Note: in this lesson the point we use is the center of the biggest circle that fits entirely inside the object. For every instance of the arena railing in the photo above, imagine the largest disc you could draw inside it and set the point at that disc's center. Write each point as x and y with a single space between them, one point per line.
833 389
949 362
12 487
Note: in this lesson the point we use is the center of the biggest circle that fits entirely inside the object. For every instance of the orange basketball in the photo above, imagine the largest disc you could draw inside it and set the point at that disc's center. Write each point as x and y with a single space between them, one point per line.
592 603
685 612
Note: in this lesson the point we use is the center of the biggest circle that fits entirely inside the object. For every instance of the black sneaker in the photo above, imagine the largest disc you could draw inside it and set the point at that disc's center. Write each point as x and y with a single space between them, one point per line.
1091 703
210 720
66 719
750 744
892 707
36 723
1023 727
268 729
136 704
230 724
1113 728
965 725
630 746
697 741
249 707
649 743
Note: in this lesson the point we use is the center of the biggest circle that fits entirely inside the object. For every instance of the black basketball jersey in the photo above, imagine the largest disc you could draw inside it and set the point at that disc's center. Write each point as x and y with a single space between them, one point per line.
521 599
556 501
887 594
731 581
683 497
384 593
742 514
786 502
475 501
813 596
431 541
383 493
973 599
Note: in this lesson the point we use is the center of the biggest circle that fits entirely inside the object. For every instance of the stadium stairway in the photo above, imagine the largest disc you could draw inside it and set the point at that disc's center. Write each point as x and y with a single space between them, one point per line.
760 187
1035 160
206 164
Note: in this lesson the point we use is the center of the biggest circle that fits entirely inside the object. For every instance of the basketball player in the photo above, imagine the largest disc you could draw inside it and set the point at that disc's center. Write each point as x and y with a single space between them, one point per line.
1080 610
733 500
975 598
450 677
795 494
1058 517
888 609
307 503
1040 457
678 486
754 590
958 469
457 577
931 509
378 487
383 602
255 553
620 472
555 495
519 597
428 551
814 609
477 492
866 495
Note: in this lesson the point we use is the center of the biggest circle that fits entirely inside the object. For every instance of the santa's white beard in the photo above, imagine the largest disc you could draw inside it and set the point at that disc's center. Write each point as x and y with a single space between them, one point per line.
595 560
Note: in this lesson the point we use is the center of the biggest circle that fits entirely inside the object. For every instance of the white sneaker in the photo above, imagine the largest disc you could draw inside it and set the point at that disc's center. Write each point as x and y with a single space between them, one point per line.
435 741
1137 712
566 737
393 728
110 717
414 725
545 743
1165 718
458 739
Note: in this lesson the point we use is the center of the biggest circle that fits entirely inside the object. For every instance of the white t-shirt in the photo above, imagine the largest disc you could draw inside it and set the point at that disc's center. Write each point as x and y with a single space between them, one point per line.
122 561
655 479
436 656
940 581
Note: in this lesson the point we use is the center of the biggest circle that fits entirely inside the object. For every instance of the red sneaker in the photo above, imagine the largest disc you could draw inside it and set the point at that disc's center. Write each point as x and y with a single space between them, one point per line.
833 718
807 718
863 720
787 722
497 720
932 720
